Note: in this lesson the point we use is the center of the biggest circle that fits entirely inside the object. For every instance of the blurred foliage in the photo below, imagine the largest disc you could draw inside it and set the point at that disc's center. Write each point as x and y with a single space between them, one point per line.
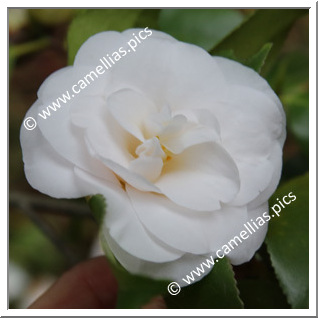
94 21
207 27
273 41
51 17
261 27
288 241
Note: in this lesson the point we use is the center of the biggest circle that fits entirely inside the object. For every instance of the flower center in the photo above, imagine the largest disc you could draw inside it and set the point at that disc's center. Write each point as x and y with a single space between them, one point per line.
151 148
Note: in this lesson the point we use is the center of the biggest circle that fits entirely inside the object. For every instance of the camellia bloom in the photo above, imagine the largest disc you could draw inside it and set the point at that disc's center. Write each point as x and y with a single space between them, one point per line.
185 147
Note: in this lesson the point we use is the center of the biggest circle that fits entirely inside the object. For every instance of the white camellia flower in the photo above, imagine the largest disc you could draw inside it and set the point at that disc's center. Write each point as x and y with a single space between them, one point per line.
185 147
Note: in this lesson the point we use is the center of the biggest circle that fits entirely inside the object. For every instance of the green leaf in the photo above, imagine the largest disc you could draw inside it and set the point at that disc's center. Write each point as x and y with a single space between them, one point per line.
297 113
97 204
264 26
261 294
93 21
18 50
148 18
52 17
290 78
288 241
257 61
134 291
216 290
203 27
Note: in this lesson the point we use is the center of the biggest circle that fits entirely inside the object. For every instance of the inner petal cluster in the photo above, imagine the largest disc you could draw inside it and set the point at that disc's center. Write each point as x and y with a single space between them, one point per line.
152 152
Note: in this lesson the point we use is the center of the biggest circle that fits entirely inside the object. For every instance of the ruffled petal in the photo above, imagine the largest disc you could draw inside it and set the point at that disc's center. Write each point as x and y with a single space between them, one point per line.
49 172
123 224
173 271
130 109
200 178
187 230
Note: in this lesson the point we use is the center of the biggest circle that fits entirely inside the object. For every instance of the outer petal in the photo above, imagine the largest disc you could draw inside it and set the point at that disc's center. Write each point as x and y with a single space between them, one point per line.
246 250
44 168
187 230
173 271
108 42
251 125
200 178
238 74
123 224
58 130
157 66
276 161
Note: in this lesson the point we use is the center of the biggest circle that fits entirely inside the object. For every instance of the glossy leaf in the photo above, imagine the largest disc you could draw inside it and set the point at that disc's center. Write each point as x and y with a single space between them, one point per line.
290 78
216 290
297 112
203 27
257 61
288 241
93 21
264 26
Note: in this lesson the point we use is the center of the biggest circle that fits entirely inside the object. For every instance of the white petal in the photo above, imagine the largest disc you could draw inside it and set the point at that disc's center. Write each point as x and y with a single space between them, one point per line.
58 130
200 178
276 162
190 136
130 109
250 124
238 74
46 170
187 230
62 81
202 127
132 178
103 43
250 138
105 138
255 178
173 271
123 224
246 250
148 167
157 66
